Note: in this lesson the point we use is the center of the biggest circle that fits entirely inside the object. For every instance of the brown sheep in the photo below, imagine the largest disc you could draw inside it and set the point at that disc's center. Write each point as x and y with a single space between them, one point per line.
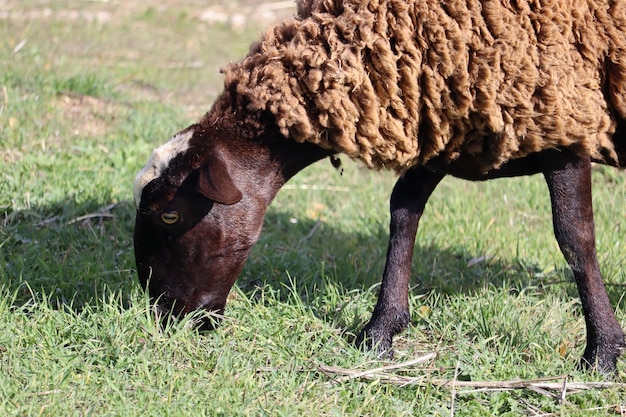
478 89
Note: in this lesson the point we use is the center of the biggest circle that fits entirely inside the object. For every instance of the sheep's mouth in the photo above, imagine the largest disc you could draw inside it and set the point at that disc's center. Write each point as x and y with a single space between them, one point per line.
204 317
208 321
208 316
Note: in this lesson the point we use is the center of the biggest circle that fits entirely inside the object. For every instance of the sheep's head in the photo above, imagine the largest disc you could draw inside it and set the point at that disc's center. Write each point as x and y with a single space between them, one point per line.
196 221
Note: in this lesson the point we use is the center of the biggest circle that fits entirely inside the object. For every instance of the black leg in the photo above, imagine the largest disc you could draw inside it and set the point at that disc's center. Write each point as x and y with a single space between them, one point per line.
391 314
569 180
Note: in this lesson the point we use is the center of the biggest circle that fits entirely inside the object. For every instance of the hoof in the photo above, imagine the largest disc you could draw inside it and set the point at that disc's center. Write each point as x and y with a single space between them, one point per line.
373 340
602 357
377 336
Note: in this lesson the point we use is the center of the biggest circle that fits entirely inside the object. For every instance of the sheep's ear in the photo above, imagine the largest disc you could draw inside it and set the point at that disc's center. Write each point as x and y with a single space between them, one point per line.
215 181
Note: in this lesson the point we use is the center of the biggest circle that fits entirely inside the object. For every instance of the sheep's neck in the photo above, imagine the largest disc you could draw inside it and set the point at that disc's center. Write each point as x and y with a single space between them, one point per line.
280 161
297 156
265 159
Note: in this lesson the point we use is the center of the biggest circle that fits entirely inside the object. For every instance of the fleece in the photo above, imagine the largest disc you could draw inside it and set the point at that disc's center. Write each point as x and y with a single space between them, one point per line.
395 83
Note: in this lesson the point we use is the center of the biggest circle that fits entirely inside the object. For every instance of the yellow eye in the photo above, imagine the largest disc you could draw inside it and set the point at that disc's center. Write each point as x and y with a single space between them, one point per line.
170 217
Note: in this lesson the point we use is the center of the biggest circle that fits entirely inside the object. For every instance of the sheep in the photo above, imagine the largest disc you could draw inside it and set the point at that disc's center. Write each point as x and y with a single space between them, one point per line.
477 89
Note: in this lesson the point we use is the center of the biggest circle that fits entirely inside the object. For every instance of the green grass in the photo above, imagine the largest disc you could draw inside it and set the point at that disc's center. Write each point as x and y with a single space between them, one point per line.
82 104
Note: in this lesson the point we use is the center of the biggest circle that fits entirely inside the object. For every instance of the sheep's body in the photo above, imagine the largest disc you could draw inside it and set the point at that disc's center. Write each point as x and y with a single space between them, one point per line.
395 83
476 89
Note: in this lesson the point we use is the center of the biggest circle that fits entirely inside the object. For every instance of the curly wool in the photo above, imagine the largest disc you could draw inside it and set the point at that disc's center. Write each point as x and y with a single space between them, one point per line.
396 83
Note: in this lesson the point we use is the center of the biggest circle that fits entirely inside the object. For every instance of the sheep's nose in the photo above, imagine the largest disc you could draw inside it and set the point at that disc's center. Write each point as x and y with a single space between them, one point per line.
208 323
214 312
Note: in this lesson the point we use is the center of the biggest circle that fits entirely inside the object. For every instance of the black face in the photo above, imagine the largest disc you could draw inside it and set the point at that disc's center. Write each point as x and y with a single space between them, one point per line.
171 245
191 241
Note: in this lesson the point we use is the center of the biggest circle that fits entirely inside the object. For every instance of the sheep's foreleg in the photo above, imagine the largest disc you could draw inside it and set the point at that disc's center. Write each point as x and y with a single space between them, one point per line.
569 181
391 314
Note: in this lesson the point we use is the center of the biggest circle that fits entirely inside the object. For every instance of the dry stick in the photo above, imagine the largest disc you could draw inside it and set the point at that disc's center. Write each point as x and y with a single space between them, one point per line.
540 383
534 409
379 373
100 214
456 375
91 216
19 46
562 397
349 374
312 231
613 408
5 97
544 392
47 221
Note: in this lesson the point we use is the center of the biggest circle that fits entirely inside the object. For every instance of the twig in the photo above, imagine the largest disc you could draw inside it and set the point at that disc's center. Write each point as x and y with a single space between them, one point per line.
615 409
342 374
5 99
102 213
348 374
456 375
543 392
90 216
19 46
562 397
47 221
311 232
533 409
540 383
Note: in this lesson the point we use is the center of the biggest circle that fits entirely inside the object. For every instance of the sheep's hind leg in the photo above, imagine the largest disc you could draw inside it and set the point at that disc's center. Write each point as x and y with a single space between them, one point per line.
569 181
391 314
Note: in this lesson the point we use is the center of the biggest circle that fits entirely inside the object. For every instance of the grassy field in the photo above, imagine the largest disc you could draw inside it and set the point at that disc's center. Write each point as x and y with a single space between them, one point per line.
89 88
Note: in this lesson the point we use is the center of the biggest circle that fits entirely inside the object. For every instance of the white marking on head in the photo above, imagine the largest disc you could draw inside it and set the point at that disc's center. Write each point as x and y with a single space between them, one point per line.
159 161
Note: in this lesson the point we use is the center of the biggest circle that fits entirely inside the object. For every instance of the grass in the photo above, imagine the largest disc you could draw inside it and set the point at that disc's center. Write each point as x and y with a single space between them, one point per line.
88 89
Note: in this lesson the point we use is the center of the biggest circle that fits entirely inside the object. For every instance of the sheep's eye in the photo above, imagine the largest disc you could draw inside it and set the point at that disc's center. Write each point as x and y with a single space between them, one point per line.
170 217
